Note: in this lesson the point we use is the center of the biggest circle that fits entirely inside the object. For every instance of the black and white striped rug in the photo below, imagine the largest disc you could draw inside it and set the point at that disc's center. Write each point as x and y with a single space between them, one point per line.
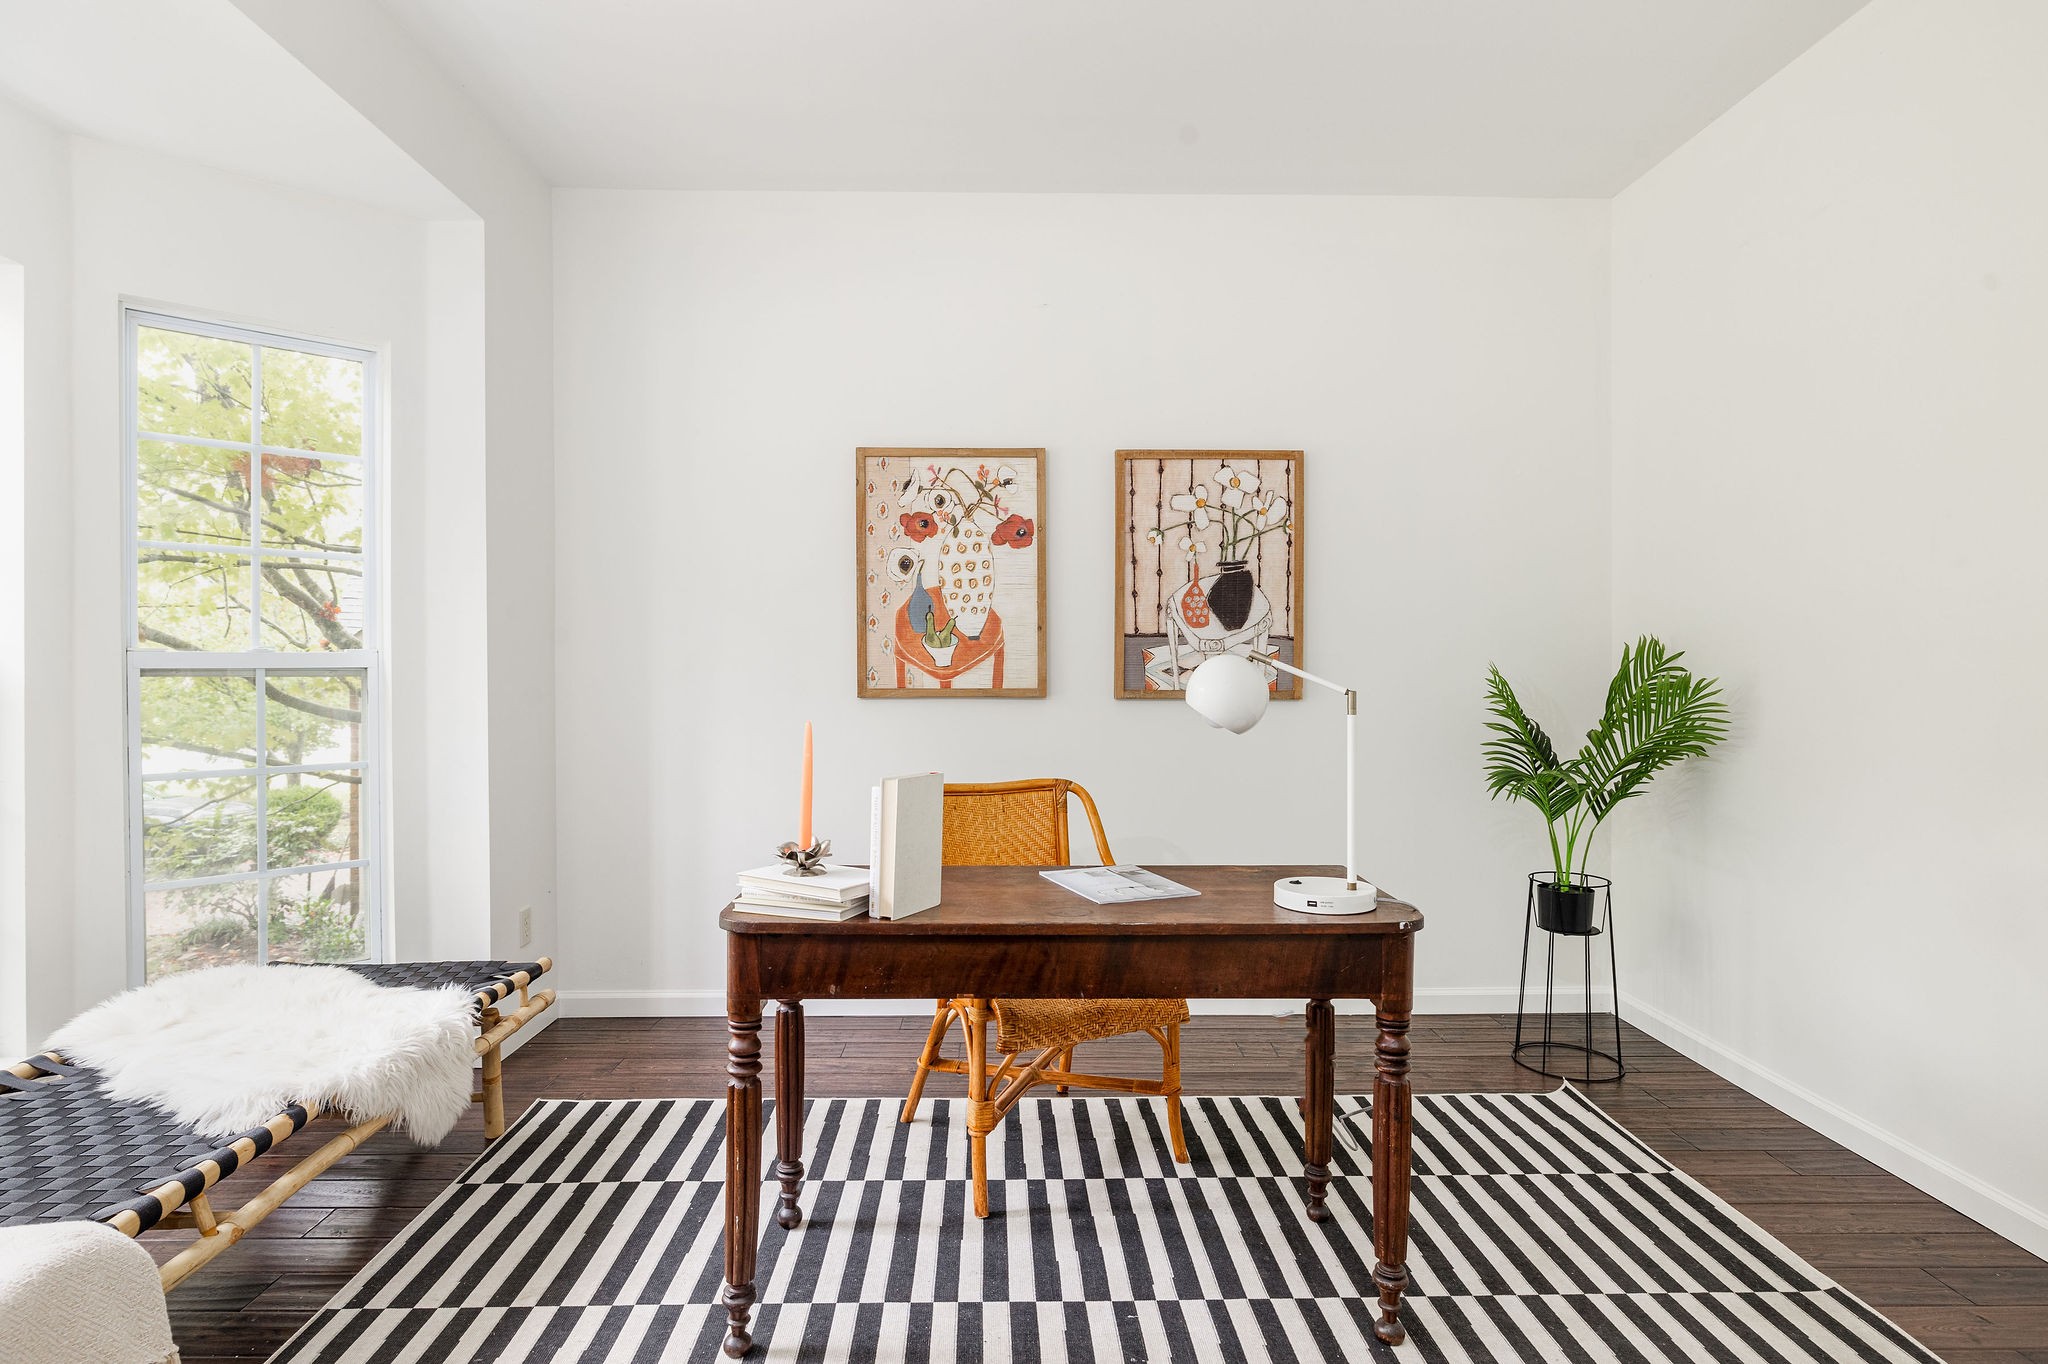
1541 1232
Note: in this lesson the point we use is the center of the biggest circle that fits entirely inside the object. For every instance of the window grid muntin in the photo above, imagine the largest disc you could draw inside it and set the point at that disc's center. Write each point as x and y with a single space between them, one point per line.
253 548
259 773
258 659
216 443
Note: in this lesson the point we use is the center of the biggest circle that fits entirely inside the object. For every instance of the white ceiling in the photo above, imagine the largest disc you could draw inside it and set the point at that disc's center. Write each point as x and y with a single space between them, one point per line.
199 79
1498 97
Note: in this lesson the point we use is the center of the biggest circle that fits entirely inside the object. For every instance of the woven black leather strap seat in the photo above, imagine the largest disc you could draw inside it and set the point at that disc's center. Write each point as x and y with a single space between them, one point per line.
69 1152
490 981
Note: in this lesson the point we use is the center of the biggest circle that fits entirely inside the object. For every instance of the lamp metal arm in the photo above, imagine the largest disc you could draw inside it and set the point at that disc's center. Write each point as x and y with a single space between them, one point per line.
1350 762
1306 676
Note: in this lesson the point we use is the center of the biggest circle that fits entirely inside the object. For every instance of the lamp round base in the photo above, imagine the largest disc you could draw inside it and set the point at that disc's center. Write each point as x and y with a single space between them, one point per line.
1325 895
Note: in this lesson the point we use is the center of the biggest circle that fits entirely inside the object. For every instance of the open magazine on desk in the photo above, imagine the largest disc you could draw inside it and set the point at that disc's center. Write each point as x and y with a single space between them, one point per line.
1117 885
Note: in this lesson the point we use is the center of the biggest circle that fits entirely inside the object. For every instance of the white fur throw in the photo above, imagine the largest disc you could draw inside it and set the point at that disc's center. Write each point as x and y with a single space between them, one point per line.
227 1049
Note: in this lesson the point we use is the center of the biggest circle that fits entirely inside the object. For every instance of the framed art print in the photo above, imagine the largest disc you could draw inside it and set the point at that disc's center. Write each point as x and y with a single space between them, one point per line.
950 572
1208 560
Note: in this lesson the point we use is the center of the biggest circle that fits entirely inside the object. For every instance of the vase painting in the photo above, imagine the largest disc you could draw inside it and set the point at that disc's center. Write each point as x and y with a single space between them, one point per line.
1232 594
951 574
966 573
1209 560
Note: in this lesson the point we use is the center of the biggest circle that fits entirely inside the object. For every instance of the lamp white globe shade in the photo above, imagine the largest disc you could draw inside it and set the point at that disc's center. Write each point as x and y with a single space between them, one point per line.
1230 692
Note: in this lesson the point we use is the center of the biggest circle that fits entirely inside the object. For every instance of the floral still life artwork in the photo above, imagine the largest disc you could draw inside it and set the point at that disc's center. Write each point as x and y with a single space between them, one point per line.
1209 561
951 574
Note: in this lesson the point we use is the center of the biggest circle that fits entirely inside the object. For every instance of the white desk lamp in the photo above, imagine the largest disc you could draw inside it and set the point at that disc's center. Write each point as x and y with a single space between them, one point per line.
1230 691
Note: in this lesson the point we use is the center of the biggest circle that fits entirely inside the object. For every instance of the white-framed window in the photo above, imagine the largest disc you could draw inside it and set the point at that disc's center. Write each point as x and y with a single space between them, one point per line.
254 682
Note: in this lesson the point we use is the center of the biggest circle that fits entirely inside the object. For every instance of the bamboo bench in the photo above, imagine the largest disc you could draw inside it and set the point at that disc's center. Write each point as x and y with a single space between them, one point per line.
68 1152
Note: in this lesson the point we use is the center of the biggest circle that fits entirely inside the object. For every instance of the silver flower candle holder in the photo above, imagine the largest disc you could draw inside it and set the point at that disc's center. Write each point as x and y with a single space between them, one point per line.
806 861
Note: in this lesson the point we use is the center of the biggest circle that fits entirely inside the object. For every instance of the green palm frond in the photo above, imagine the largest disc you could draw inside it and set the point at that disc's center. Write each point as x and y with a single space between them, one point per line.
1522 762
1657 714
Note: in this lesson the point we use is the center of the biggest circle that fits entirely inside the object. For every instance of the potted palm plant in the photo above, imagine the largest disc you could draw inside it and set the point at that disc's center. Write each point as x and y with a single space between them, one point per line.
1658 713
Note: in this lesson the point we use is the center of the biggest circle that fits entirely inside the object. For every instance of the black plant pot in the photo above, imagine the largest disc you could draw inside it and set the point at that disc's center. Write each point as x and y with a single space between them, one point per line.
1230 596
1567 909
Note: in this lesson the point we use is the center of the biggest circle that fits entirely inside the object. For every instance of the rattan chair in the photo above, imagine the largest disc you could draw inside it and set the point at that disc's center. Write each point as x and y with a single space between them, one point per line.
1024 823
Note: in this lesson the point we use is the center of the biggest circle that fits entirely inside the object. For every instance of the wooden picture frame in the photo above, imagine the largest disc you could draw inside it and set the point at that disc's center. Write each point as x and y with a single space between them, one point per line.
1169 611
960 532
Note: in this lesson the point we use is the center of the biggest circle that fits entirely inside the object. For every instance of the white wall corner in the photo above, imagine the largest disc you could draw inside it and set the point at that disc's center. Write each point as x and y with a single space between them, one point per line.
370 61
1825 326
2018 1222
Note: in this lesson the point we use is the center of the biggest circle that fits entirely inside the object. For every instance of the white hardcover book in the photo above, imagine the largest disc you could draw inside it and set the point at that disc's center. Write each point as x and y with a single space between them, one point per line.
827 901
911 845
761 902
834 883
875 845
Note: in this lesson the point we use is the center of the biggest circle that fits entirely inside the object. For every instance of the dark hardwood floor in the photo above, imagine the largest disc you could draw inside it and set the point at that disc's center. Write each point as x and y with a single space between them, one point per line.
1971 1296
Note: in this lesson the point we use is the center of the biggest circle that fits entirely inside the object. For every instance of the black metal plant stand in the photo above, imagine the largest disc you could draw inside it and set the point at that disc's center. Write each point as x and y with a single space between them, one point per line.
1602 924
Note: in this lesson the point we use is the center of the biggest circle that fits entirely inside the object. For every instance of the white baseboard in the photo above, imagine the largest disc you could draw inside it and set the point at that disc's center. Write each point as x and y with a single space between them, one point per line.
2025 1226
711 1004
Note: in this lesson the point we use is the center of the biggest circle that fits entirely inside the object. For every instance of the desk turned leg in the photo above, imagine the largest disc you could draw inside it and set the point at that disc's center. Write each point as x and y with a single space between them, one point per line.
789 1111
742 1167
1390 1142
1319 1104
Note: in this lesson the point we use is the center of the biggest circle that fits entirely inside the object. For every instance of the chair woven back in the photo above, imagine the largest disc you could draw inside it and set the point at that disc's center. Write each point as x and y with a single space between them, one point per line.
1024 823
1016 823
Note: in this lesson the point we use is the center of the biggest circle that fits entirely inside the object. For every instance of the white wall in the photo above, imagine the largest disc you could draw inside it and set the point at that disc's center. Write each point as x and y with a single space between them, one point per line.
720 356
463 307
447 748
94 224
35 576
1830 337
14 710
507 747
168 231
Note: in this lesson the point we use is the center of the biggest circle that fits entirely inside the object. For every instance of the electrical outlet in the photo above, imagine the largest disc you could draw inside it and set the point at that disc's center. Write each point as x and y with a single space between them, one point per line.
526 926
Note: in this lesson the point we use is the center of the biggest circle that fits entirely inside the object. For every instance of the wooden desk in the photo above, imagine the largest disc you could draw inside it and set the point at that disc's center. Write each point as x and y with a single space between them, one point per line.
1009 933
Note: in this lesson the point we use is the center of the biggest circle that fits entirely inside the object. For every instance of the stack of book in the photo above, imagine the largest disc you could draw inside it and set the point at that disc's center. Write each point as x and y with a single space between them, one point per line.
835 893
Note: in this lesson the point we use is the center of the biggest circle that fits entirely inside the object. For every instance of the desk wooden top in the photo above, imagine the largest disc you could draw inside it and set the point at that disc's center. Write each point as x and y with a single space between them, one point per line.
1013 900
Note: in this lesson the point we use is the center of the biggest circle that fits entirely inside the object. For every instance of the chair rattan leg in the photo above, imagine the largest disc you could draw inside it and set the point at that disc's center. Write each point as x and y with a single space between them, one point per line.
1170 1078
1066 1063
941 1021
981 1113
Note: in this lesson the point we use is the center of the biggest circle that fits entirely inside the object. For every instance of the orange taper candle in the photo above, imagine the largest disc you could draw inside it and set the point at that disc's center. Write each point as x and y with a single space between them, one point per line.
803 823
